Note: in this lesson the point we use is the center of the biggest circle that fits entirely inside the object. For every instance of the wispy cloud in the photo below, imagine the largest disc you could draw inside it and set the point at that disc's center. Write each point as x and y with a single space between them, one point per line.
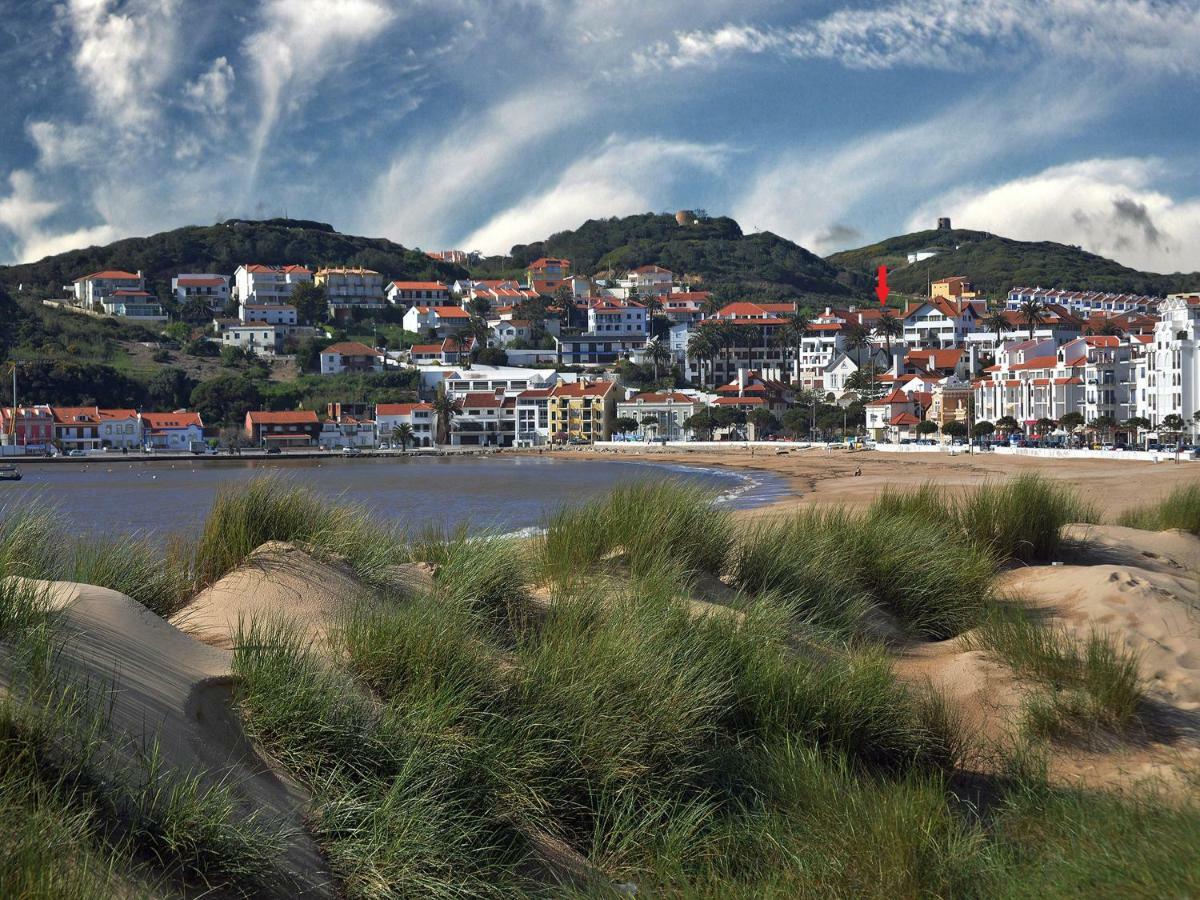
621 178
956 34
1113 207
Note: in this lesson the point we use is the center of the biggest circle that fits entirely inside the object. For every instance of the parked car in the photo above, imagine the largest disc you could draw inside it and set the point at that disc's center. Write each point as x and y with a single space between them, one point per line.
272 450
76 452
351 451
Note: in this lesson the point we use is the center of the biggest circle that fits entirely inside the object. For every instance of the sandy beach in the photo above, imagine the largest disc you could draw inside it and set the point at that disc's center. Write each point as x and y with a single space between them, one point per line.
820 476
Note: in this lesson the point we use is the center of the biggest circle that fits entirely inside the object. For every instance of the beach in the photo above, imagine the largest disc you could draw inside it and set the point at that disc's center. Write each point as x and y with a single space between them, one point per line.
818 475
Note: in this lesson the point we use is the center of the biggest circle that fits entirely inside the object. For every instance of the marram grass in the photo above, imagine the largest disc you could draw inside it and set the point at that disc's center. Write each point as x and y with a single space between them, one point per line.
1179 509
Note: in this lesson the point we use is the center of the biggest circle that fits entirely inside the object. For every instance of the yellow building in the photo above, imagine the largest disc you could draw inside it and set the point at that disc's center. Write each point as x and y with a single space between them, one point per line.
583 411
956 287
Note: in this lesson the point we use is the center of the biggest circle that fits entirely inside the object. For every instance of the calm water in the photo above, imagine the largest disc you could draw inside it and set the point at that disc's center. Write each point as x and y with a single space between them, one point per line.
499 493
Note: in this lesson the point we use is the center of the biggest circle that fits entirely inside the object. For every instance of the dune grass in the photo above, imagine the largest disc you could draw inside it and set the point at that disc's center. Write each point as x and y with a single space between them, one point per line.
244 518
643 523
1090 682
1179 509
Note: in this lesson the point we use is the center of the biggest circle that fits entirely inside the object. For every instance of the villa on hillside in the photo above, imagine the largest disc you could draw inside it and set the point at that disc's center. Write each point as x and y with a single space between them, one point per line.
350 356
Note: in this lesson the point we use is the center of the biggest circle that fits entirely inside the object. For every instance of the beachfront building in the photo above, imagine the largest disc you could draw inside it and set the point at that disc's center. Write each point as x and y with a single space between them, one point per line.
345 430
209 287
485 419
29 427
893 418
120 429
417 416
660 415
256 283
298 428
1168 376
350 356
350 289
418 293
76 427
171 430
582 411
533 417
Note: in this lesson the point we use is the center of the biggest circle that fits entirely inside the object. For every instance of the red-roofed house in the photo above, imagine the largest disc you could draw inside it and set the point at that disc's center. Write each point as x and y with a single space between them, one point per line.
893 417
418 416
582 411
350 356
171 430
299 428
213 289
256 283
939 322
546 274
653 280
436 320
485 419
31 427
99 286
418 293
76 427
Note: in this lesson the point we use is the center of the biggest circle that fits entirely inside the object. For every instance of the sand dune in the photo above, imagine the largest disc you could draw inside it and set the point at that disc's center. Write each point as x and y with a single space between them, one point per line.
157 683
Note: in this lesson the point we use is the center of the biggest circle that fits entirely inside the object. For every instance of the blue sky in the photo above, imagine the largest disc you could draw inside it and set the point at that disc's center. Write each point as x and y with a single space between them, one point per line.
477 125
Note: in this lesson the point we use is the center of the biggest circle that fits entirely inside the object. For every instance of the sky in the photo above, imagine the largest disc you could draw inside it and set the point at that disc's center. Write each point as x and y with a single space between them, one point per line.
478 124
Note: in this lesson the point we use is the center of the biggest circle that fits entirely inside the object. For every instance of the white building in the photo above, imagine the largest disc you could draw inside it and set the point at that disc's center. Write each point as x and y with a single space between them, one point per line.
418 293
114 292
439 320
258 338
213 289
171 431
417 416
120 429
668 411
347 431
650 280
269 313
349 289
939 322
350 356
533 417
255 283
1083 302
1168 376
616 317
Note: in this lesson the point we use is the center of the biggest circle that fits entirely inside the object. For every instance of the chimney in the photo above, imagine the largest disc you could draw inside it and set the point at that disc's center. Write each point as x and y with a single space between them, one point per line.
897 361
973 361
741 379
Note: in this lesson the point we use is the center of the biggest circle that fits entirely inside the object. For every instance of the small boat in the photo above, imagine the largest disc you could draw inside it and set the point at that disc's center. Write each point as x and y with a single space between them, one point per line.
9 473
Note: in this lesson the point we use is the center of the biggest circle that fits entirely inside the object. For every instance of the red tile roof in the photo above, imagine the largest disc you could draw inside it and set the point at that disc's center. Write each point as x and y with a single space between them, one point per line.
351 348
577 389
419 285
400 409
293 417
201 282
178 419
110 274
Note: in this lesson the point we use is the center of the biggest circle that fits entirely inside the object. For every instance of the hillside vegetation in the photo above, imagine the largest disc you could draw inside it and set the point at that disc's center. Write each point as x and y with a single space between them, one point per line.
222 248
996 264
713 251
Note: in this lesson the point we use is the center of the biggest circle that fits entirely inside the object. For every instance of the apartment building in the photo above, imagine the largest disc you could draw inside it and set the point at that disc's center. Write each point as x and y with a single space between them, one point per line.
1168 375
350 289
256 283
210 287
660 414
418 293
583 411
417 416
1083 303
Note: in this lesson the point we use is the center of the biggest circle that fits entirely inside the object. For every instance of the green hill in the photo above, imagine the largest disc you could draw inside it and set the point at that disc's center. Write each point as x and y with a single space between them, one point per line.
712 251
222 248
996 264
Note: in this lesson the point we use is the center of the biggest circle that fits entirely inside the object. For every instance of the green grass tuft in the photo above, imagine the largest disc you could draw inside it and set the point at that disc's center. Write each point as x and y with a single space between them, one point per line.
1179 509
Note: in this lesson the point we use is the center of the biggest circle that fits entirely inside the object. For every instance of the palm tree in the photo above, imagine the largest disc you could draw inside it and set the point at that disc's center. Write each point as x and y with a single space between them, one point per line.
1033 313
445 410
997 323
857 338
890 327
796 326
1172 423
657 352
402 433
701 348
1105 327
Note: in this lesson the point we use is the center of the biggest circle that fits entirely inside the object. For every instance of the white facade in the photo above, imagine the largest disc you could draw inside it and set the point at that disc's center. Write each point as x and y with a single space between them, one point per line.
256 283
668 410
1083 302
269 313
615 317
1168 376
418 416
213 289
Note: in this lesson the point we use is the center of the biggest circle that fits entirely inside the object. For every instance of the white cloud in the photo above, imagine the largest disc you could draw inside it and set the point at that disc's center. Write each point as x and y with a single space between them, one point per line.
804 193
1107 206
947 34
60 143
123 54
624 177
24 211
298 43
212 90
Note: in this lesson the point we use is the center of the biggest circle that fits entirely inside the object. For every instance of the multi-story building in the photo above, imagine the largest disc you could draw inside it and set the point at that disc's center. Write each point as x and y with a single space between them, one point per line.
31 427
418 293
120 429
213 289
533 417
1168 376
582 411
259 338
417 416
667 410
269 313
350 356
1083 302
350 289
547 274
177 430
98 287
442 321
255 283
653 280
485 419
938 322
953 288
607 317
76 427
596 349
300 428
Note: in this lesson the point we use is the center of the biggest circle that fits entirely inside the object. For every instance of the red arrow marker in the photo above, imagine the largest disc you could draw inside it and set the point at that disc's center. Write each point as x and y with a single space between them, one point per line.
881 289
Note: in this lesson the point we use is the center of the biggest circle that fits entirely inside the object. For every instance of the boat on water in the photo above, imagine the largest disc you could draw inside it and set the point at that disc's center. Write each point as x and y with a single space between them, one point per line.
10 473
